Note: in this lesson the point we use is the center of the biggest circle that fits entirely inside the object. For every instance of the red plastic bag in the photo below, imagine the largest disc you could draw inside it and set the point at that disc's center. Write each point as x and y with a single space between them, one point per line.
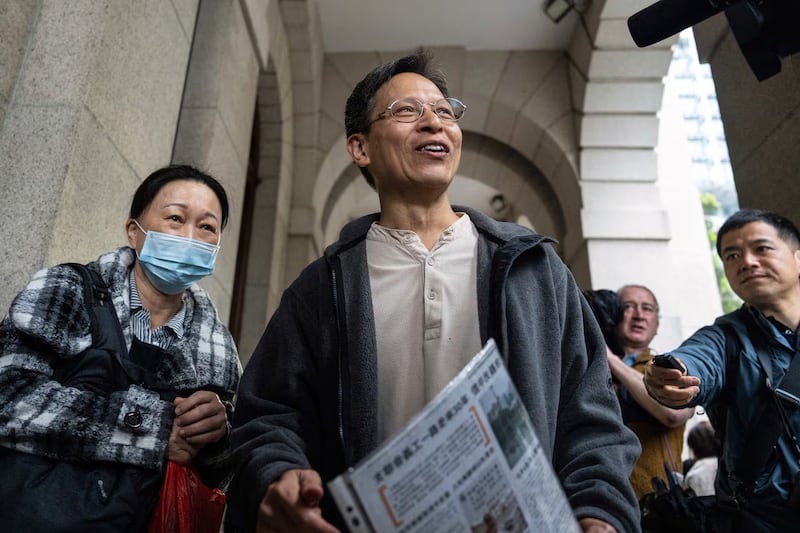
186 505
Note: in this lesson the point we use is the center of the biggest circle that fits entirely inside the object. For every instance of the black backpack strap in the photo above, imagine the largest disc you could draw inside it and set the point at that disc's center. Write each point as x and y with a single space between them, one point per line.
789 387
732 350
786 390
763 435
106 329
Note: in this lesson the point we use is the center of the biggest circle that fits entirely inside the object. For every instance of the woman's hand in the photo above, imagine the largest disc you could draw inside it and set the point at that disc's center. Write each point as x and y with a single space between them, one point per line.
178 449
201 418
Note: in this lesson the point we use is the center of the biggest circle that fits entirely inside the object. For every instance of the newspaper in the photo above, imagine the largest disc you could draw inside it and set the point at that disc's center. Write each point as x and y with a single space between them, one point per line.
468 462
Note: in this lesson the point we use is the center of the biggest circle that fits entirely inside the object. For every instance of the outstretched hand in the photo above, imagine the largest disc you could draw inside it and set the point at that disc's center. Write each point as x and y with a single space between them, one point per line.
292 504
668 386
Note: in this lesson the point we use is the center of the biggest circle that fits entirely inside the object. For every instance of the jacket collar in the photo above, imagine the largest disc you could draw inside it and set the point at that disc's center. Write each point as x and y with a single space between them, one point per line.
500 233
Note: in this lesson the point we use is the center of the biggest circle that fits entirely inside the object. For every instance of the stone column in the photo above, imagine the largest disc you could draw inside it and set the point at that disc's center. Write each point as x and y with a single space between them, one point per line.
215 128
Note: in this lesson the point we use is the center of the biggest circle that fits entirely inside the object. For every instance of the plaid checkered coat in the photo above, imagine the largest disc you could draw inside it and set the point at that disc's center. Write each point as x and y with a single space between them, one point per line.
47 321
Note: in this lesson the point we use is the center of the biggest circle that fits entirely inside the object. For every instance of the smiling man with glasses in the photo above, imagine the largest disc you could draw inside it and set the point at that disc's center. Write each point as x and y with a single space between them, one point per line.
372 331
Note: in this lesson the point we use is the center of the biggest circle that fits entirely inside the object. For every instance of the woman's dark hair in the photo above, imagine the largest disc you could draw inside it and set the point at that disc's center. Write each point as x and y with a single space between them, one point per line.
361 102
607 309
155 182
785 228
703 441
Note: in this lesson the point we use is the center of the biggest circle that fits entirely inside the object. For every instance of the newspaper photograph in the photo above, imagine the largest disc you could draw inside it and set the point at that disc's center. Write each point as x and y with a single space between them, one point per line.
470 461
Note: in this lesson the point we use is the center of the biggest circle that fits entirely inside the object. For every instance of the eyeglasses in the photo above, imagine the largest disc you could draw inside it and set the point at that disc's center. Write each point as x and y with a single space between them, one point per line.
410 109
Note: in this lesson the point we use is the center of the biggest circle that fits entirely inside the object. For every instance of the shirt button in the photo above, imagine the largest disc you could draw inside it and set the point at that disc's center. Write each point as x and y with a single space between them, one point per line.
431 261
133 419
431 295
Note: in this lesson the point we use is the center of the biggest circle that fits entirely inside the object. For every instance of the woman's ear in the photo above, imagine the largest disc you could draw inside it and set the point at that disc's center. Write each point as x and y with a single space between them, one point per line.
131 229
357 148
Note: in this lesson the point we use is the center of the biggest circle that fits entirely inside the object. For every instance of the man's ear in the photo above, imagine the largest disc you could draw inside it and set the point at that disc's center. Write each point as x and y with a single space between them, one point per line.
357 148
797 258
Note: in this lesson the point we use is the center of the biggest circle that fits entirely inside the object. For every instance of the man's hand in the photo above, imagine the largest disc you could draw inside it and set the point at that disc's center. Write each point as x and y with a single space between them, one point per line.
669 386
594 525
292 504
631 379
201 418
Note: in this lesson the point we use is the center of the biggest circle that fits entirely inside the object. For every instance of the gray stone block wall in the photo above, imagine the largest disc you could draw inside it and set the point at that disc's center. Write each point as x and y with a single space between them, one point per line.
91 105
16 24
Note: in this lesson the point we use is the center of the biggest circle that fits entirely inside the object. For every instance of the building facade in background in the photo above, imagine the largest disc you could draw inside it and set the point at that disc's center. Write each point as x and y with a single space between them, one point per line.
95 95
710 164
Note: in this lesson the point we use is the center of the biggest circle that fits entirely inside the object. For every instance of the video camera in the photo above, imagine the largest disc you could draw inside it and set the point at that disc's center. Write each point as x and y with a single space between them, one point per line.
766 30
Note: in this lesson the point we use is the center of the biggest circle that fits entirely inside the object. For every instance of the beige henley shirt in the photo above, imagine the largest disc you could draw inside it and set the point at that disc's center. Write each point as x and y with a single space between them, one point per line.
426 315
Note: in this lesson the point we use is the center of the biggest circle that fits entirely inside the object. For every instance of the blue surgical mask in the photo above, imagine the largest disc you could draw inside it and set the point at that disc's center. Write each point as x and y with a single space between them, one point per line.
172 263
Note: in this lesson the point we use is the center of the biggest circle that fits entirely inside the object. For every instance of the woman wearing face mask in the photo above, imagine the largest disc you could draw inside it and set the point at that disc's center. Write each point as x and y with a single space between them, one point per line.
171 331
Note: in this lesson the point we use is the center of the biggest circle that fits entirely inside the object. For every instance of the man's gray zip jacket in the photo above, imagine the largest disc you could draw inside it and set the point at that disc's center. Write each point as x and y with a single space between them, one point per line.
307 396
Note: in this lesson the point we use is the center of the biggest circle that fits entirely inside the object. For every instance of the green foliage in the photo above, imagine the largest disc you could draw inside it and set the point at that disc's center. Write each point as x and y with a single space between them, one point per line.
712 207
